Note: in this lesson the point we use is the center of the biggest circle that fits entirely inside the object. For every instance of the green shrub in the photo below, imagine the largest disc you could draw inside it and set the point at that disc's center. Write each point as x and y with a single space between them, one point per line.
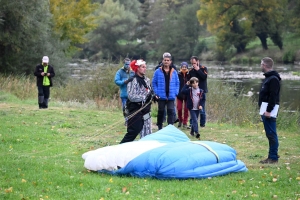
288 56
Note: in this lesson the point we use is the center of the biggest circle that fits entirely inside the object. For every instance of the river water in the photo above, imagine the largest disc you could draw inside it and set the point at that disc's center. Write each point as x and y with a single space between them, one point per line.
248 79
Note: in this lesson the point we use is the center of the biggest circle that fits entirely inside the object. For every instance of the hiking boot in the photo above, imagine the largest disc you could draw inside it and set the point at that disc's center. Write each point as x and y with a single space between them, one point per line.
268 161
198 136
179 124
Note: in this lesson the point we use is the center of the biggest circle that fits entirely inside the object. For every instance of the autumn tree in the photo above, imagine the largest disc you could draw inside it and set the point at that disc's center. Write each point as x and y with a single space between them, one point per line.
244 19
73 20
180 32
26 36
114 25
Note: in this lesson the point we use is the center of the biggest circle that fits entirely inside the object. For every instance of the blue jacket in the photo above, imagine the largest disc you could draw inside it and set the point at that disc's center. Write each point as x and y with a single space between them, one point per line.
187 90
120 78
159 87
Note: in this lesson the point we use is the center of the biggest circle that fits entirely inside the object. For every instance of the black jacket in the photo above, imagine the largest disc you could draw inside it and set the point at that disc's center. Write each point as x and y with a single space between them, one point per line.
201 74
270 90
39 78
183 78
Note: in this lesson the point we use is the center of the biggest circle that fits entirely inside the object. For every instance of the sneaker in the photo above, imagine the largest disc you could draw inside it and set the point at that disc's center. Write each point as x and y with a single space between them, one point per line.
198 136
177 120
189 127
268 161
202 126
179 124
184 126
192 134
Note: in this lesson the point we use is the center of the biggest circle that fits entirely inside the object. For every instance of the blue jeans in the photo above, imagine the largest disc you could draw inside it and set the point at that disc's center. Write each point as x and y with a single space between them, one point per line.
123 99
194 121
202 112
271 133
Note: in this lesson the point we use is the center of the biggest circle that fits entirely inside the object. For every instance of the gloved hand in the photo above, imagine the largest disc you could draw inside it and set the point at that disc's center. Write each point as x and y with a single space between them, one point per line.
128 80
155 98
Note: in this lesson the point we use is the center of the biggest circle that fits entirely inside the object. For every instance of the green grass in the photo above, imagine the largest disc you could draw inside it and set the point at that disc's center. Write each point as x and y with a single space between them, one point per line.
41 158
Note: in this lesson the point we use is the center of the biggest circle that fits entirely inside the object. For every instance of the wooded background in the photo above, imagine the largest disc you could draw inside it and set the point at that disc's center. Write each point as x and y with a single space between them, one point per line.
107 29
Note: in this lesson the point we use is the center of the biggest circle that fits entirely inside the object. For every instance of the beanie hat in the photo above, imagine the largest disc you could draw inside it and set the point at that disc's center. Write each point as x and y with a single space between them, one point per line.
45 59
136 63
184 63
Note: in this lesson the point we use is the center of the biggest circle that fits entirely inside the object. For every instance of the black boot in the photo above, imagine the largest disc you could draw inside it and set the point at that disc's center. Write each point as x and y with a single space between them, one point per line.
41 102
46 103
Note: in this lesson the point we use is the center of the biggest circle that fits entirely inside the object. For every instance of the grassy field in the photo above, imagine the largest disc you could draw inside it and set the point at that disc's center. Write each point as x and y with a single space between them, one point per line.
41 158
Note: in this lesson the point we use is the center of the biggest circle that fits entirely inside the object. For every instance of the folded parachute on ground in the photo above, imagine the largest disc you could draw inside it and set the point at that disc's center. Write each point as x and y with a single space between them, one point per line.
165 154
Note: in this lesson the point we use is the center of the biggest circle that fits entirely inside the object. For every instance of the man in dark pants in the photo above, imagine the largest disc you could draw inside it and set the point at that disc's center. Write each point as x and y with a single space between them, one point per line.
165 84
44 73
200 72
268 101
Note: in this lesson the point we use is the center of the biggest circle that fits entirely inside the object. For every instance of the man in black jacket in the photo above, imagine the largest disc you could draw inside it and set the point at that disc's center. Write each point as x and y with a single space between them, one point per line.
200 72
44 73
268 101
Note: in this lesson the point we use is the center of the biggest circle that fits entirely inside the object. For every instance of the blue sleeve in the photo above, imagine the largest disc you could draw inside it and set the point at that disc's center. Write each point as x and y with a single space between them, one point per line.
154 82
185 90
118 78
177 84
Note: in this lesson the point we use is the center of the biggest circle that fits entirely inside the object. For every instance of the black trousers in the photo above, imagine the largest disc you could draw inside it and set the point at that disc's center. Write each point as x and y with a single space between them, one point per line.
134 127
43 96
161 109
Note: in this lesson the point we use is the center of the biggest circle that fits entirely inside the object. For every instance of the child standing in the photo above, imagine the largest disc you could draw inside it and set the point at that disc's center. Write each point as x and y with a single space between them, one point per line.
194 100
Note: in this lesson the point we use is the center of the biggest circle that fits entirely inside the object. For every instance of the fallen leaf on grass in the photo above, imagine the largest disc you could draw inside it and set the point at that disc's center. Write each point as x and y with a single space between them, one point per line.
110 180
9 190
107 189
124 189
24 181
298 178
274 179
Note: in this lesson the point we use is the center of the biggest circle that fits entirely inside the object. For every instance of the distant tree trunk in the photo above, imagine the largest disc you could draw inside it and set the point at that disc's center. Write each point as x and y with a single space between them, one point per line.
240 48
277 40
263 39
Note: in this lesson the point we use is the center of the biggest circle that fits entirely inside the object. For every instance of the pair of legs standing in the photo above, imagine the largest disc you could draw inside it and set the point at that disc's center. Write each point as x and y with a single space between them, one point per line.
183 112
43 96
271 134
137 125
162 104
194 123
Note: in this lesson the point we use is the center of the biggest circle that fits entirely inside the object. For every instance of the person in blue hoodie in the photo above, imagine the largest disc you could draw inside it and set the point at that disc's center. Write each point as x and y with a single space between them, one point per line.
122 78
165 84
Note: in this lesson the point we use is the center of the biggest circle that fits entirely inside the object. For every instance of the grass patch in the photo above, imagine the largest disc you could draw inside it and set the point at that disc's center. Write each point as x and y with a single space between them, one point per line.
41 158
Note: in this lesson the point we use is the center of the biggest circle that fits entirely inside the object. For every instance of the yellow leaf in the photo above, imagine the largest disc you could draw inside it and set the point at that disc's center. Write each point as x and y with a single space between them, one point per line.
124 189
298 178
107 189
274 179
9 190
110 180
24 181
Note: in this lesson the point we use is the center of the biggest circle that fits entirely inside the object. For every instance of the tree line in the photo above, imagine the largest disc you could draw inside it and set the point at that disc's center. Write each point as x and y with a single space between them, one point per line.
113 29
